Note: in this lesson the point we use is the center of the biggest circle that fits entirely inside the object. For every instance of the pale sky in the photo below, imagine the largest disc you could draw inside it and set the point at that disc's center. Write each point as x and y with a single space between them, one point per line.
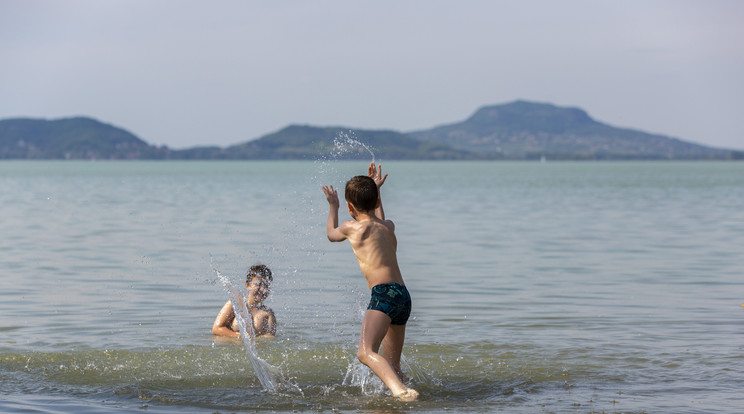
186 73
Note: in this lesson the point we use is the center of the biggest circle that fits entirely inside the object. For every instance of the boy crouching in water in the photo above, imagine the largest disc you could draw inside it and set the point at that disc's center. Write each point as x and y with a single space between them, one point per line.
374 243
258 282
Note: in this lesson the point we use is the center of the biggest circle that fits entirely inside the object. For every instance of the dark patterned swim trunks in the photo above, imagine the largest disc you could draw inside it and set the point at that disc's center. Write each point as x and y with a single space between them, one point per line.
393 300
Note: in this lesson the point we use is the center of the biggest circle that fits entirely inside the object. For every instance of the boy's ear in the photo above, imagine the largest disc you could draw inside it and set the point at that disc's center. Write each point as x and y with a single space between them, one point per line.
350 206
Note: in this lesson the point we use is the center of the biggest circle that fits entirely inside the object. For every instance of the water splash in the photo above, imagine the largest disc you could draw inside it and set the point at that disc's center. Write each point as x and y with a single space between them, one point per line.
345 146
345 143
360 376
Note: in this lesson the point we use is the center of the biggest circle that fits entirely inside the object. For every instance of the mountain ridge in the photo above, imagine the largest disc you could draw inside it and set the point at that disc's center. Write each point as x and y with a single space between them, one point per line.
519 130
527 130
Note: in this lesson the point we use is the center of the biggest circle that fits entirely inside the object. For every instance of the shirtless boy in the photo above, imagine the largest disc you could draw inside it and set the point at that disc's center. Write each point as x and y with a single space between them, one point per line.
258 280
373 240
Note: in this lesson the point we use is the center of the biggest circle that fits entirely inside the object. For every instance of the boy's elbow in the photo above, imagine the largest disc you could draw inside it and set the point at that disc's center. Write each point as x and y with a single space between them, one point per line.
334 236
218 328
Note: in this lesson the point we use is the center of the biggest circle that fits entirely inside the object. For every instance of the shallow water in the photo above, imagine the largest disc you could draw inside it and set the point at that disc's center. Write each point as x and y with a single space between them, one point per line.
537 287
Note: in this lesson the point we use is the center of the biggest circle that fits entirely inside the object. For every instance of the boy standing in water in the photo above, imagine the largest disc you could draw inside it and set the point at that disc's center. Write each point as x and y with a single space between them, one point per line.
373 240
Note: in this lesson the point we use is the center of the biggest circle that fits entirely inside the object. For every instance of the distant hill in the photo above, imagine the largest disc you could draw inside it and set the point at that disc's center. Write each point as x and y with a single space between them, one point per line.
527 130
515 131
70 138
311 143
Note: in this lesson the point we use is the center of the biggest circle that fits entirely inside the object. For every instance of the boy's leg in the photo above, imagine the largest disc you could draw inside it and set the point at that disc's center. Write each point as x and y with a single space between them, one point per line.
374 329
392 346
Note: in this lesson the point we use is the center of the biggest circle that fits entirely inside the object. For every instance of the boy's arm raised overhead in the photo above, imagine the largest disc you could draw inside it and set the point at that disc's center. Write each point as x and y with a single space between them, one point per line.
334 233
375 173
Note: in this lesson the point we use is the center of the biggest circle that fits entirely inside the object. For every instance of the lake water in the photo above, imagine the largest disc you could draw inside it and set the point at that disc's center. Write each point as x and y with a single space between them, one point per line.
537 287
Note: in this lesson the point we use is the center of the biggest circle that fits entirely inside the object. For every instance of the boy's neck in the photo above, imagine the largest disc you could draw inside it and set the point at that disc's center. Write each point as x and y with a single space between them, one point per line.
364 215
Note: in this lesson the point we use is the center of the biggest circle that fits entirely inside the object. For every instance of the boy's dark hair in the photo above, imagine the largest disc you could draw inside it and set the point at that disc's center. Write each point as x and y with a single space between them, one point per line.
362 192
263 272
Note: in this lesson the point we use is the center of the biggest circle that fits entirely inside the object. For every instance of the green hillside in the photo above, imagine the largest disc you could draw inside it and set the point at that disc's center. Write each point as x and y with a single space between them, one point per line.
308 142
70 138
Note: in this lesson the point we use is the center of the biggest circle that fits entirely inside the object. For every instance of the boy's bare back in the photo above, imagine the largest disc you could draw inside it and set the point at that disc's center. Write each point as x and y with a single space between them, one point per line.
375 245
371 236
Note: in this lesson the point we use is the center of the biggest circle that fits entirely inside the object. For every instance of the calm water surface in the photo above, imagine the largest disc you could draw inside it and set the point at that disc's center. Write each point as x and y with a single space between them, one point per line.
553 287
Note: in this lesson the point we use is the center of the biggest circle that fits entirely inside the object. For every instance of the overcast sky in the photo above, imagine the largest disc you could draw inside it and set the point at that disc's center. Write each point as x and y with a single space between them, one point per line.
186 73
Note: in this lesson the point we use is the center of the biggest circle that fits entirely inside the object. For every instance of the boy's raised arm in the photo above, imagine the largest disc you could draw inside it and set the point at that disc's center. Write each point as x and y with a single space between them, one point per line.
375 173
332 231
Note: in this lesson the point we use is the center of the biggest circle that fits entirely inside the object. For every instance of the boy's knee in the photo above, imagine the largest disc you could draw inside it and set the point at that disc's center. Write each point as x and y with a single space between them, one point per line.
362 356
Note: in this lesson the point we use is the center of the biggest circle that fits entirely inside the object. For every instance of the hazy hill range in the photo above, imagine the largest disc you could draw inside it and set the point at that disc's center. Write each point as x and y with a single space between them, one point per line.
86 138
71 138
526 130
516 131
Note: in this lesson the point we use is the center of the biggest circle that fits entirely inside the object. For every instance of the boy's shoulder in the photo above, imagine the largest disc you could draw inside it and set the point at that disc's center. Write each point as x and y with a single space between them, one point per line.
351 226
388 224
348 227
